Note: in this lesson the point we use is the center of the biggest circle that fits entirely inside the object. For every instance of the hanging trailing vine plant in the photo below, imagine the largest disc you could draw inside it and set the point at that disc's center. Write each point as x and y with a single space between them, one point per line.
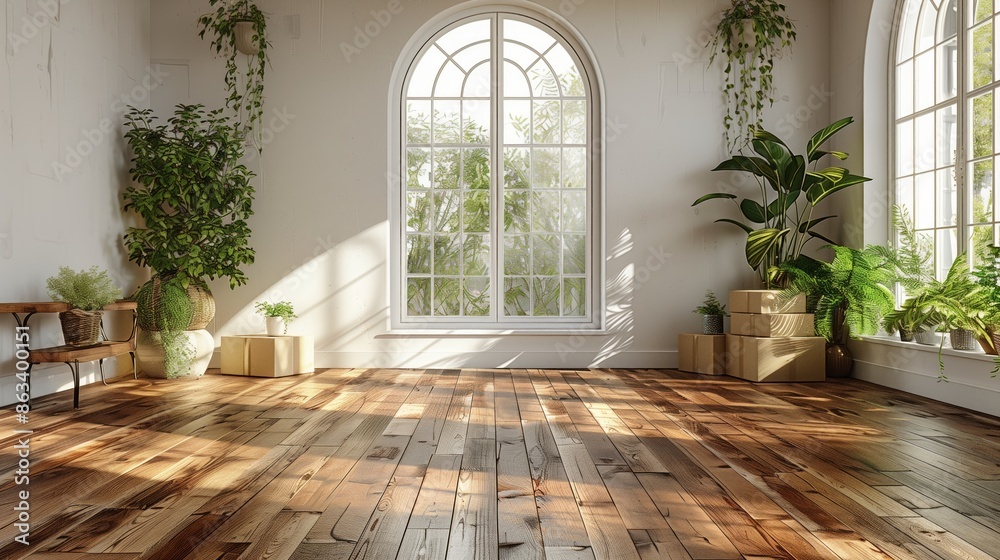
751 35
238 29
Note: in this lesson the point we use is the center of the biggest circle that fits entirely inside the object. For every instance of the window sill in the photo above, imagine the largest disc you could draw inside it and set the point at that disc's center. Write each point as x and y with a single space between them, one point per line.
487 333
946 351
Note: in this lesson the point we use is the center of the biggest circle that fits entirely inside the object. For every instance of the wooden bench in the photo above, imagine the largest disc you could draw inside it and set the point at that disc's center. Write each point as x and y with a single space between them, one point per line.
73 355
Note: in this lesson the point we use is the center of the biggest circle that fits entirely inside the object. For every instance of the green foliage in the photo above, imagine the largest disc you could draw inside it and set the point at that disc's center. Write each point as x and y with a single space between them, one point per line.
912 258
193 195
749 82
957 302
88 290
781 222
178 353
163 305
247 101
855 283
987 277
281 309
711 305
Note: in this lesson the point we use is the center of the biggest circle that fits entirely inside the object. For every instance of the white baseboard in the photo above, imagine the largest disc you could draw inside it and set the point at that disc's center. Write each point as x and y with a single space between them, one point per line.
914 369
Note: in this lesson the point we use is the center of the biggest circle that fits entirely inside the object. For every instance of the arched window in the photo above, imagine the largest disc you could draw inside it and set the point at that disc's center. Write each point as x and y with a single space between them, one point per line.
946 147
496 207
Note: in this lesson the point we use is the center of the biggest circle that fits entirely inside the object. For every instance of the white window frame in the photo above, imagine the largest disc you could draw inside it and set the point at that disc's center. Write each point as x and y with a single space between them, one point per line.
594 322
965 92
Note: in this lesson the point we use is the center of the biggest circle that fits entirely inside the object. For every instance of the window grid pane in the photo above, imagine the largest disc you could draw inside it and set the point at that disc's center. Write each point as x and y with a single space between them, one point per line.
450 237
947 147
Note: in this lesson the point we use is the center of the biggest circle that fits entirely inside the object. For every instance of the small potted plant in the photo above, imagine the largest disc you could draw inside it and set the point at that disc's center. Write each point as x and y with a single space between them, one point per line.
278 316
750 35
86 292
712 312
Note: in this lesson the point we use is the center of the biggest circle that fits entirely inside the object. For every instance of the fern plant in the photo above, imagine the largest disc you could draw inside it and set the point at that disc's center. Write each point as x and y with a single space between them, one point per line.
711 305
987 277
851 291
88 290
912 257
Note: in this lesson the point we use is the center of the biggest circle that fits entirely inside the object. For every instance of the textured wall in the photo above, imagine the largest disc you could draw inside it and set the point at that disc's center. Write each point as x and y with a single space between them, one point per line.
321 230
67 67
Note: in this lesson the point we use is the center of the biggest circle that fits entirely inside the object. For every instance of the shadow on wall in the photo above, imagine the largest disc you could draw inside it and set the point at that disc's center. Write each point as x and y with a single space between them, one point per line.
341 298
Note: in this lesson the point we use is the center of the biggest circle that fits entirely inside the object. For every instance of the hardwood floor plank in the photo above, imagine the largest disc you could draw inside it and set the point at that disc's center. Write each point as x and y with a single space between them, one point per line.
474 525
424 544
383 534
495 463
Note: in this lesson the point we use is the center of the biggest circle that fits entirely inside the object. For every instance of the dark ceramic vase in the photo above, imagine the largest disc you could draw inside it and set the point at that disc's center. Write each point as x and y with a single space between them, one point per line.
839 361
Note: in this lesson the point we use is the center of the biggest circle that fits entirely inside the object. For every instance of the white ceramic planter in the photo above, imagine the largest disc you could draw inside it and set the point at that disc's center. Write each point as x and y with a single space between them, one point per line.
275 326
149 352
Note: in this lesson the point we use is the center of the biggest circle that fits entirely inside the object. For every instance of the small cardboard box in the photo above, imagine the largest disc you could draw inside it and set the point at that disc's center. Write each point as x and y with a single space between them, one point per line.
765 301
773 324
702 353
267 356
782 360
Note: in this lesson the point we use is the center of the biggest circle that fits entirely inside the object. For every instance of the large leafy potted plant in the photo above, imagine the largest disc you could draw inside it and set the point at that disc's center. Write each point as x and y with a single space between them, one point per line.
238 31
86 292
750 35
194 198
849 296
781 221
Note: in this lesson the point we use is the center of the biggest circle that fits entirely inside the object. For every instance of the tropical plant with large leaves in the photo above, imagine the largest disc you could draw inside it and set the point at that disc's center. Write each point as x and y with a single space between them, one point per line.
782 221
855 283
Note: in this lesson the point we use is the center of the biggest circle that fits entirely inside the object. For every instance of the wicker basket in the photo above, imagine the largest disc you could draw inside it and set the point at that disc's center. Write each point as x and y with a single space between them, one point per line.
155 315
962 339
81 328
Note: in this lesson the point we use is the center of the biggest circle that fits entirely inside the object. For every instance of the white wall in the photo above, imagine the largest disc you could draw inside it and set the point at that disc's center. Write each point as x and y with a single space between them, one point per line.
66 68
321 229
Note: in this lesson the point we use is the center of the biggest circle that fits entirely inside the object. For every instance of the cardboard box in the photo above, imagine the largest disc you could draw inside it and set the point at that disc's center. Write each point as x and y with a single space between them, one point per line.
702 353
765 301
782 360
267 356
773 324
734 355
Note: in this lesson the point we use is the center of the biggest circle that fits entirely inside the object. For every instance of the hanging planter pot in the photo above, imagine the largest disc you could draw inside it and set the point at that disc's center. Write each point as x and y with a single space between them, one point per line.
246 41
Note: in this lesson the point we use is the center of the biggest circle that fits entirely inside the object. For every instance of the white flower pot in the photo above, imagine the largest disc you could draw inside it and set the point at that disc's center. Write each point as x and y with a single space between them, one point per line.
149 352
275 326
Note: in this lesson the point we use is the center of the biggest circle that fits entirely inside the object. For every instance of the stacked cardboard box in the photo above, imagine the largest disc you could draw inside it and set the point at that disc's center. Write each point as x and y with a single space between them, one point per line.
702 353
771 339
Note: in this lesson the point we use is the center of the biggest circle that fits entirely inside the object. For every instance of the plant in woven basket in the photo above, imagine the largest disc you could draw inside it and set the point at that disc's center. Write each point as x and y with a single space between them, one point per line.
194 198
712 311
750 35
86 291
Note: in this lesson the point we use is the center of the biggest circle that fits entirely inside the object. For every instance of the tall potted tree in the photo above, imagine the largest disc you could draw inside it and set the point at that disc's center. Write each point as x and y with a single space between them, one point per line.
194 198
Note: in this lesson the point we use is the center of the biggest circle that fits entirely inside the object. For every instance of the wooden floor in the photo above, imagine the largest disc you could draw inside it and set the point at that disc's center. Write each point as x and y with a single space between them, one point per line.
609 464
